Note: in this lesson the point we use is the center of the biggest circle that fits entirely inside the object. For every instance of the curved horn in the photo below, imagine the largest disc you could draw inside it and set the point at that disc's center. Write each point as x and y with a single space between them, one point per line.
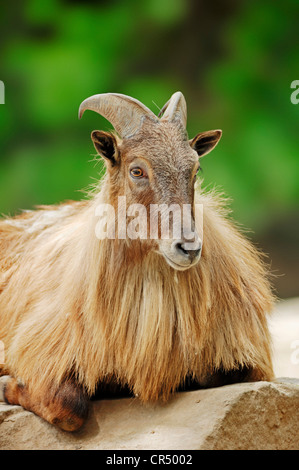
124 113
175 108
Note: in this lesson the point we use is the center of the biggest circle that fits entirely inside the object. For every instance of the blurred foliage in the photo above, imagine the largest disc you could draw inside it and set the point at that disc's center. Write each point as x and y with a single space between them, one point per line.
233 60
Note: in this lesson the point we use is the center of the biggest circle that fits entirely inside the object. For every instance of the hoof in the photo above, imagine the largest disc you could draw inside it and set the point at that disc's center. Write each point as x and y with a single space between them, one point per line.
69 424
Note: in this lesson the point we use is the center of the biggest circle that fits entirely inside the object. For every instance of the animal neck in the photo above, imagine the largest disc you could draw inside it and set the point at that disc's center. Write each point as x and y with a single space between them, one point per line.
147 312
151 316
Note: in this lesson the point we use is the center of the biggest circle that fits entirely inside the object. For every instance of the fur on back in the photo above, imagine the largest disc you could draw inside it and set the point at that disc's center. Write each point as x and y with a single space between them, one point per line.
103 310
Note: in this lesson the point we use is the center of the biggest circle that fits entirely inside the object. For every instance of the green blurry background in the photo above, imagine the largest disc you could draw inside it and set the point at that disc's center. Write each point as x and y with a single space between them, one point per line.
234 61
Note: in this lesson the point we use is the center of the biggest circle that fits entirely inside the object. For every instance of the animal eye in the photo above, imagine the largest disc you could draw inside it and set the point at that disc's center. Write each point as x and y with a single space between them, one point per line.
137 172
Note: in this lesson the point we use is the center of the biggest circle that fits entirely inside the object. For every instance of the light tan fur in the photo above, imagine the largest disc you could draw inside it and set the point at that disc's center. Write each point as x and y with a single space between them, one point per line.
113 310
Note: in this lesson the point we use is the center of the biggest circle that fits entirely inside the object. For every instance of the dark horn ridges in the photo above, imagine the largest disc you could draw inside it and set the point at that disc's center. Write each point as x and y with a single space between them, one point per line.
125 113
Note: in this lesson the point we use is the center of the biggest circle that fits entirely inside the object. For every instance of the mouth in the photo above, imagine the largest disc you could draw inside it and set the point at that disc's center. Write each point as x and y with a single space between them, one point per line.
179 267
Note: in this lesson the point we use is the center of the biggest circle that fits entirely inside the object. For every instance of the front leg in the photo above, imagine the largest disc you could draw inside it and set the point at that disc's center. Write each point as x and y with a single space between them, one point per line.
65 407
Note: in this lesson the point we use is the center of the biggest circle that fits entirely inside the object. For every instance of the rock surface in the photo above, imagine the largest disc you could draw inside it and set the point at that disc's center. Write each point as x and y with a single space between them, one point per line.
259 415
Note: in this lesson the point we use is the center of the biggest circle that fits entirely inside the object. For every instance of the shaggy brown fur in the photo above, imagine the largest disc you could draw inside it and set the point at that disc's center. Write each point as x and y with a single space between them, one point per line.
78 310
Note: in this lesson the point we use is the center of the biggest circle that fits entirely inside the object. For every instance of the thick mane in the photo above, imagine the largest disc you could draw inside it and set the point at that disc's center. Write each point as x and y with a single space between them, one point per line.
102 310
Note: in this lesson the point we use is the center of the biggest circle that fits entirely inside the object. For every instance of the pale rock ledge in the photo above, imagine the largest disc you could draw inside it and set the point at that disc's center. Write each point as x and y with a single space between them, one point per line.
261 415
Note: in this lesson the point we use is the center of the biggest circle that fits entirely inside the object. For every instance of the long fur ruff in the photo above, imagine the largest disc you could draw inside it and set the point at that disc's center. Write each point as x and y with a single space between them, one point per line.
110 311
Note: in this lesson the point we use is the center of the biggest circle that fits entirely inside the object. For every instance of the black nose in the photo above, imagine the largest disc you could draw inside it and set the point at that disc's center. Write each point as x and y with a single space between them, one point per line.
181 247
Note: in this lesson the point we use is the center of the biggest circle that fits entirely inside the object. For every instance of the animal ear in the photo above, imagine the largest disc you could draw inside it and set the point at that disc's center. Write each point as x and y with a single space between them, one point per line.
204 142
106 145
